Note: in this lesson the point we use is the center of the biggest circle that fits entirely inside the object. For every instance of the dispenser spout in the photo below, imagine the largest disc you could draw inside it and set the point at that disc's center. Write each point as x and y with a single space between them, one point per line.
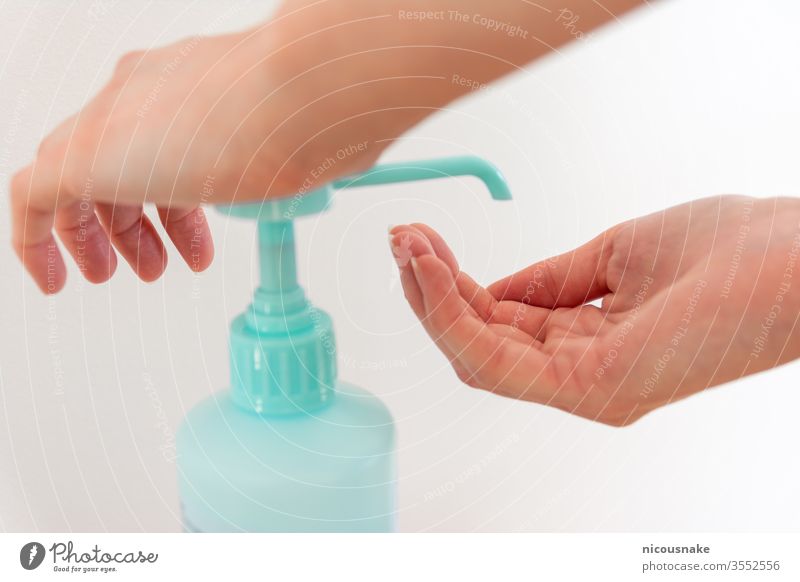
282 348
430 170
277 264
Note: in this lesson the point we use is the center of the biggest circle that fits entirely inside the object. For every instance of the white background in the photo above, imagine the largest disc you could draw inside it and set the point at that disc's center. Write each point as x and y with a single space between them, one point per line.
687 99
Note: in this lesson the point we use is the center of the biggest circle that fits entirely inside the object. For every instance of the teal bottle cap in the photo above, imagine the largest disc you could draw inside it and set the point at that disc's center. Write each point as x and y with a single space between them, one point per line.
282 348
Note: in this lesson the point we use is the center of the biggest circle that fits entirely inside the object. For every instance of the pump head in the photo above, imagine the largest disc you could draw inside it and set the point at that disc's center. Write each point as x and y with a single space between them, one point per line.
282 348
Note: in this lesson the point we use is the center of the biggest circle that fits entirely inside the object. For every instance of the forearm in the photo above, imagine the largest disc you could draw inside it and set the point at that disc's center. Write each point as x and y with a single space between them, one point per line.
408 58
437 38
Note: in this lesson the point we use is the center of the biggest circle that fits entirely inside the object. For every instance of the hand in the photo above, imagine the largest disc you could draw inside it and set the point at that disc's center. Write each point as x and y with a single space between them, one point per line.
315 93
692 297
208 120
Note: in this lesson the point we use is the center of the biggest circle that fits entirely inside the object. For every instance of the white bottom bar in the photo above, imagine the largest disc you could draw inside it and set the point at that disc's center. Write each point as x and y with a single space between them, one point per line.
406 557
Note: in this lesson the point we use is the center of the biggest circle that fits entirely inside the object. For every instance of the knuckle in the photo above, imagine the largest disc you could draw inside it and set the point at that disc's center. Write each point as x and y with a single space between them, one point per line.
612 421
503 360
48 147
618 418
485 378
550 284
19 184
129 61
467 378
617 422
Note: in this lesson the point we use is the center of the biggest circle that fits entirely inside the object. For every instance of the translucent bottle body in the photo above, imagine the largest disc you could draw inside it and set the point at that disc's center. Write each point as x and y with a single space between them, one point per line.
326 470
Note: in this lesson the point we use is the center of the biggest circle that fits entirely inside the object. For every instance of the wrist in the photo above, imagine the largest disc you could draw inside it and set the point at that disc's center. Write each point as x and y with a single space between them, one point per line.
339 76
778 278
351 71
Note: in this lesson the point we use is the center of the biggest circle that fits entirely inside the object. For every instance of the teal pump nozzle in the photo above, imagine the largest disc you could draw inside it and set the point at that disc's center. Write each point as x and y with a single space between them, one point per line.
282 348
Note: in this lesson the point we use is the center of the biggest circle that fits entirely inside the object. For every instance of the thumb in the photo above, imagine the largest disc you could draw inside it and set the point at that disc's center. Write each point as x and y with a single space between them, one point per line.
566 280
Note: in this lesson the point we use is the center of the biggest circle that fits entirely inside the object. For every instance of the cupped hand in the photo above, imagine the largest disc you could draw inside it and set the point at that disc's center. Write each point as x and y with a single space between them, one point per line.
690 298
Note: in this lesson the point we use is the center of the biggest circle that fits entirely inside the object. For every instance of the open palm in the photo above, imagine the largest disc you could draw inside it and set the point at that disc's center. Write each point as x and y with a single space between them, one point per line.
675 318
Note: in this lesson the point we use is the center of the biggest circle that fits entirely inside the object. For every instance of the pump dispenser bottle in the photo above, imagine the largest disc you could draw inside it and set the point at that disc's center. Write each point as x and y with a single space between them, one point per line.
289 447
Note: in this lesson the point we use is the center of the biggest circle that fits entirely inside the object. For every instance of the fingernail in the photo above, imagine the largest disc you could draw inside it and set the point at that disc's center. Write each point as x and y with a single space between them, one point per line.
415 267
395 253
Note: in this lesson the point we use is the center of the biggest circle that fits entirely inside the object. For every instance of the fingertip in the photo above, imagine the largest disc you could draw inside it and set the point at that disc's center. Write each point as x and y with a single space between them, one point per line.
52 284
409 230
399 237
191 235
198 258
430 242
44 264
147 254
136 239
438 245
95 257
151 269
51 288
406 244
206 257
426 231
202 244
102 268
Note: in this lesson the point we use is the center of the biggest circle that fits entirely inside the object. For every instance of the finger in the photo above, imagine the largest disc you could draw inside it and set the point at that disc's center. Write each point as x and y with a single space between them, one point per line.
439 246
476 296
34 197
407 243
566 280
135 237
514 333
419 240
521 318
495 362
528 319
189 232
84 238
